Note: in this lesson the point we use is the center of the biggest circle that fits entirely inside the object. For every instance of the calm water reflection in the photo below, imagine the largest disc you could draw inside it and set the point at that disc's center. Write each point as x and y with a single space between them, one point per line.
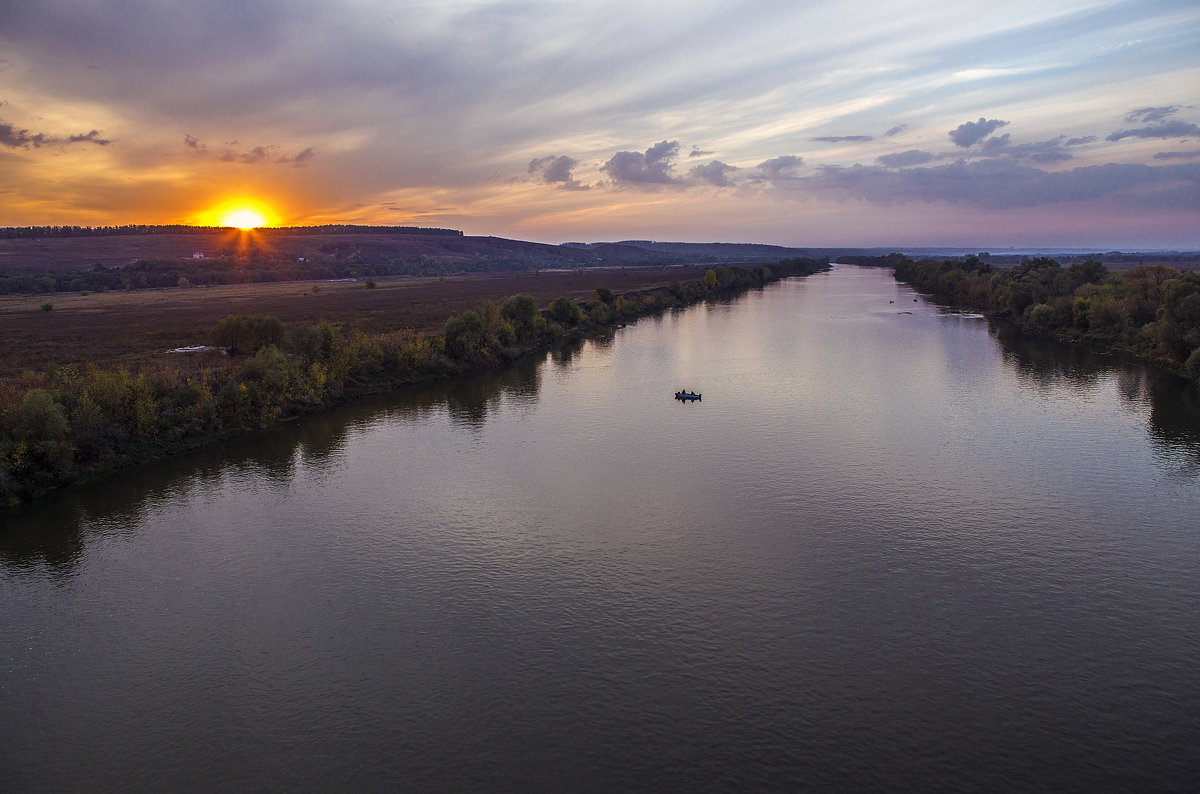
888 550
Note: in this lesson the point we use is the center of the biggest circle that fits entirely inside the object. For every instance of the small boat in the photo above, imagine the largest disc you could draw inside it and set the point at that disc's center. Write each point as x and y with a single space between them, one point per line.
686 395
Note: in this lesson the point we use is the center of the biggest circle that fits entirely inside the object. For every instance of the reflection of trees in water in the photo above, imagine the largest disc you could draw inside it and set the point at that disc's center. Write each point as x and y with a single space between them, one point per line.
1044 363
52 532
567 351
1173 403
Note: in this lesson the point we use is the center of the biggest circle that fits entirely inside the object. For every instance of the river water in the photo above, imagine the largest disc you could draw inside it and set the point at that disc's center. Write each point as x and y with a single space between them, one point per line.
891 548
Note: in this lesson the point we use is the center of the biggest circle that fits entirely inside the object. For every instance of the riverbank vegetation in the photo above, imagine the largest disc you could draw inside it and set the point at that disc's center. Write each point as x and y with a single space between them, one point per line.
1153 311
76 421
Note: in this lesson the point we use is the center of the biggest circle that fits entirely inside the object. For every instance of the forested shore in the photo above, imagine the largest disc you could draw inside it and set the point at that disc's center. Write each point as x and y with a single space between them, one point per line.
1152 311
74 422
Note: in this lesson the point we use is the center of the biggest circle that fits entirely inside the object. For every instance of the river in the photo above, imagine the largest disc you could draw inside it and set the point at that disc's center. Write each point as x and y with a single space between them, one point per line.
890 549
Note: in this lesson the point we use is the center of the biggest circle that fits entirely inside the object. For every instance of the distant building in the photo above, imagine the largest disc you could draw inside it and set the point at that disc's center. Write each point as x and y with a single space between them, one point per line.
198 255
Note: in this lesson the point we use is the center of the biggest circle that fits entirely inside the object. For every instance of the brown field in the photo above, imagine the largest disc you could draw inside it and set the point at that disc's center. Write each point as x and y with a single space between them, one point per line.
131 328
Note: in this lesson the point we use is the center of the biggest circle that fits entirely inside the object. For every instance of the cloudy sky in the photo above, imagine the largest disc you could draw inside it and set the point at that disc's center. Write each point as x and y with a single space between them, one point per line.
806 122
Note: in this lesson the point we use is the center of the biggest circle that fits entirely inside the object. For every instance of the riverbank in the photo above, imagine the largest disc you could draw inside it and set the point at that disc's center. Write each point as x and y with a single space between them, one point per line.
1152 312
81 419
132 329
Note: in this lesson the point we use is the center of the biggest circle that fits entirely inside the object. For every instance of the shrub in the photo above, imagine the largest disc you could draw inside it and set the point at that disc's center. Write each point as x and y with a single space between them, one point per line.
41 418
565 313
1192 365
238 333
47 306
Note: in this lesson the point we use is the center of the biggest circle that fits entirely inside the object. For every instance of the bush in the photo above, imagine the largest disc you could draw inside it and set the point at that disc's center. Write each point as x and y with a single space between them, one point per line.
41 418
1192 365
238 333
565 313
47 306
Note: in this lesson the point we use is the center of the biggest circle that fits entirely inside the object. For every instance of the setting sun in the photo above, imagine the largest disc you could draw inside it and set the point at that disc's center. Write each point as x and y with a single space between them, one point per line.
243 219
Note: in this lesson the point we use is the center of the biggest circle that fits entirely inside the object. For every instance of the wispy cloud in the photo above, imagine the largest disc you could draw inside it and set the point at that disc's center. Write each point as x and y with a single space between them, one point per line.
1168 129
845 138
22 139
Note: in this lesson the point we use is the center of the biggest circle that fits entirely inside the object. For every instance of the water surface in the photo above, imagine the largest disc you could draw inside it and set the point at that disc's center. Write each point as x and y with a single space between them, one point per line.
887 550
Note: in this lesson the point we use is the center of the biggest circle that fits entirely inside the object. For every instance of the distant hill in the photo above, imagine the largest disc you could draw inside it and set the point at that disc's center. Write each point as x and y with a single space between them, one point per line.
342 249
137 256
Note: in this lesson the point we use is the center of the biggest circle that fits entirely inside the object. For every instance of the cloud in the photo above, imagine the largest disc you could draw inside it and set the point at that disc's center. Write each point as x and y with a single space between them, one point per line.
714 173
90 137
651 168
972 132
781 166
1192 155
1170 129
904 159
1004 184
894 131
698 152
256 155
1079 141
23 139
557 170
845 138
1149 115
1045 152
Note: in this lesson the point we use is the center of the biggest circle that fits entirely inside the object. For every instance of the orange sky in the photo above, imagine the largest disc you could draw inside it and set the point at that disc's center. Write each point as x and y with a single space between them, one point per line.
1071 123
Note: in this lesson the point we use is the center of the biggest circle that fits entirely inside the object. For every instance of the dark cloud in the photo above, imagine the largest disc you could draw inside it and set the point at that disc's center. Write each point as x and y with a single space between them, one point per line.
972 132
304 156
192 143
845 138
904 159
894 131
90 137
14 138
1170 129
1192 155
780 166
714 173
557 170
1150 115
698 152
650 168
23 139
1079 141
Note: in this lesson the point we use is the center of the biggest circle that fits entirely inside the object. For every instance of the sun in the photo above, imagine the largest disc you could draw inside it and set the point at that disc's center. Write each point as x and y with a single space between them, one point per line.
243 219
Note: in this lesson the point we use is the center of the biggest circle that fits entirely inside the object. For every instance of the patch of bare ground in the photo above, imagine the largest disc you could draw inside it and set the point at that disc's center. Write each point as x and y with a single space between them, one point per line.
114 329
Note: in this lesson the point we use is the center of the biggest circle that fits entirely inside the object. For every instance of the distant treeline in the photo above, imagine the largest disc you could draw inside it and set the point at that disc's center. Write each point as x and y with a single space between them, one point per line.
1153 311
77 421
255 268
38 232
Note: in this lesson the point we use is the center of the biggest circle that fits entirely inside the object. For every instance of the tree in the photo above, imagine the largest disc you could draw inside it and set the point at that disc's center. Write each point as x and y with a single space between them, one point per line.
238 333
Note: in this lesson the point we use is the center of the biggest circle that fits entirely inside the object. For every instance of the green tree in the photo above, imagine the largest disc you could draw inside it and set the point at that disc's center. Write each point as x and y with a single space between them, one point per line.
41 417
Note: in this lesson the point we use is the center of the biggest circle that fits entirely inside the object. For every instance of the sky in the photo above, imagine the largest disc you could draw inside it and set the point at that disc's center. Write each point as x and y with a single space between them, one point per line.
806 123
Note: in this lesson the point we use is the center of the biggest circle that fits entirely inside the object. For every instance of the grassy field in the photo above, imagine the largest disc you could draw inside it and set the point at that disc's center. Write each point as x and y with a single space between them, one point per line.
127 328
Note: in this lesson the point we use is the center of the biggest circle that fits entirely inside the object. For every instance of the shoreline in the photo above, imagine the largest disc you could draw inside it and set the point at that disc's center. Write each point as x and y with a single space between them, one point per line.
71 424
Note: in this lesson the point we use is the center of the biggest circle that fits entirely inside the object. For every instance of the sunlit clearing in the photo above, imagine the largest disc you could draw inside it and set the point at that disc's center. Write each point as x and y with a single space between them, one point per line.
243 219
